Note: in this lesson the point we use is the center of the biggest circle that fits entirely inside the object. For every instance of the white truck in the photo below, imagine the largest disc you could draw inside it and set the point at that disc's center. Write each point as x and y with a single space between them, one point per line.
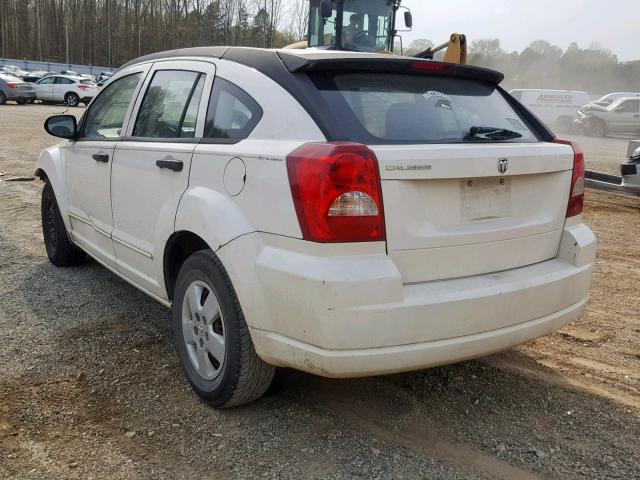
556 108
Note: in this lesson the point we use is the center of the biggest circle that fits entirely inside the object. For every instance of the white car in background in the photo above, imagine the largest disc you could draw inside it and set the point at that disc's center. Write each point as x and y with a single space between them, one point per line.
67 89
621 116
556 108
608 99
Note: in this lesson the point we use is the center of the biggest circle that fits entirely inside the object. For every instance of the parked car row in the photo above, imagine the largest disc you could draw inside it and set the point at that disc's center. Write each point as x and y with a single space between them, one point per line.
67 86
68 89
566 110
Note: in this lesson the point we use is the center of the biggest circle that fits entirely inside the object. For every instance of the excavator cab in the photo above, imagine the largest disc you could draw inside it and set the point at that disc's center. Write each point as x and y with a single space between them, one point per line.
354 25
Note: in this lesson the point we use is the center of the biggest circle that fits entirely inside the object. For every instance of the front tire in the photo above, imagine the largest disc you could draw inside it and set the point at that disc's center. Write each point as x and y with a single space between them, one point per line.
598 129
60 250
72 100
212 337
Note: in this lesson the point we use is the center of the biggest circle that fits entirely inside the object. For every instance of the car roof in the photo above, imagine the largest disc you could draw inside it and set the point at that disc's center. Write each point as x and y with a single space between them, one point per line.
272 61
62 75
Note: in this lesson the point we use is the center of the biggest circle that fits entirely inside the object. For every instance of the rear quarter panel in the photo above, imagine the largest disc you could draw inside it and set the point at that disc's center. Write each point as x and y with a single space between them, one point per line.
209 208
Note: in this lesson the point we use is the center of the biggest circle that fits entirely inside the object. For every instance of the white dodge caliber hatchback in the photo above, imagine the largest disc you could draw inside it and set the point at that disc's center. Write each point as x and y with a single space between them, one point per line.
340 213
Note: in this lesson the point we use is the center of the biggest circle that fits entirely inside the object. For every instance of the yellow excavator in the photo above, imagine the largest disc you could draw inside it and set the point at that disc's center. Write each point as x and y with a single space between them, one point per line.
369 26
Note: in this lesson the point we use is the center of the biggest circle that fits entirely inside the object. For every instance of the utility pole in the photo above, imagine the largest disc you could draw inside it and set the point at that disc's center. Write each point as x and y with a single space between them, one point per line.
66 34
108 35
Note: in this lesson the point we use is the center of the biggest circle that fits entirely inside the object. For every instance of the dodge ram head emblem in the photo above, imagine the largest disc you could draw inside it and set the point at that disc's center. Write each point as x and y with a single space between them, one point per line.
503 165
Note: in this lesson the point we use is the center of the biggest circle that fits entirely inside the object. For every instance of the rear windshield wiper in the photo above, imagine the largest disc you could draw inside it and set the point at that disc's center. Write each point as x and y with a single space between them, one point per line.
490 133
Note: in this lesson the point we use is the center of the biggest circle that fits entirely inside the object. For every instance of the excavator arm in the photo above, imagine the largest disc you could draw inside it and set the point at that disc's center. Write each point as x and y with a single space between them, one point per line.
456 50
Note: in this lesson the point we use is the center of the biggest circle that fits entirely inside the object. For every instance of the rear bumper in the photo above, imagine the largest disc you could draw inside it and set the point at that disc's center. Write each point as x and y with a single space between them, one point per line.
348 316
285 351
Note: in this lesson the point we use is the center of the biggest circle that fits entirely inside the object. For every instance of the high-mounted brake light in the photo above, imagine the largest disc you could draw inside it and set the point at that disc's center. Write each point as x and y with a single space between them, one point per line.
576 194
429 66
336 192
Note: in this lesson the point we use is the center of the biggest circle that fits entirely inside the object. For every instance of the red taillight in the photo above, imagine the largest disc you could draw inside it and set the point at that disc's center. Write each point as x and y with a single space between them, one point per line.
84 87
336 191
12 85
576 195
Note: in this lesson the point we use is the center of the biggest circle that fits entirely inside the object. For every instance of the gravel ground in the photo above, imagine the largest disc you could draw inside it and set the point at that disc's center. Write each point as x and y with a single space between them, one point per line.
90 386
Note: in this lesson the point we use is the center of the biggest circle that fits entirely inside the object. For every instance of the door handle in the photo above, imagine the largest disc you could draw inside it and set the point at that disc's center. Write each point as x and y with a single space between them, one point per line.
174 165
101 157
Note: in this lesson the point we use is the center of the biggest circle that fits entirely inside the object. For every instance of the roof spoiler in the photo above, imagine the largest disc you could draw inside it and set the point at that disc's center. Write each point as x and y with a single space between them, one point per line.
321 62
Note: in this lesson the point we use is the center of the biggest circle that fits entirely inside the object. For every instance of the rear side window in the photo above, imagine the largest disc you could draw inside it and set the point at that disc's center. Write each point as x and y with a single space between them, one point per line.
232 114
170 105
378 108
63 81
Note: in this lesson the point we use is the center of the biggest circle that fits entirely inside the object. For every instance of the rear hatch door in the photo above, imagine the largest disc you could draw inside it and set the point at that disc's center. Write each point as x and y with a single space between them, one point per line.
469 186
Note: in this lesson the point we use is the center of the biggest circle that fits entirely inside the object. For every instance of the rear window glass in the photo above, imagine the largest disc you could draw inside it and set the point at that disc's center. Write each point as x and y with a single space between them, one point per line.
10 78
87 82
396 108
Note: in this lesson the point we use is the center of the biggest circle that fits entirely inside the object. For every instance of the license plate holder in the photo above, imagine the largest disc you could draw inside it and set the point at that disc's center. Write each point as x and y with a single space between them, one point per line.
486 198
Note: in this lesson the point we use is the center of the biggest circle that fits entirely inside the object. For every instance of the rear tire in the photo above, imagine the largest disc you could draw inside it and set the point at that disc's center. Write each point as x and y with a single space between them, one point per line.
3 98
212 336
60 250
72 100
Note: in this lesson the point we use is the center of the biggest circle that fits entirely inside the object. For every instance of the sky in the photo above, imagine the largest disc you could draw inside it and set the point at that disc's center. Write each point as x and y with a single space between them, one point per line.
613 24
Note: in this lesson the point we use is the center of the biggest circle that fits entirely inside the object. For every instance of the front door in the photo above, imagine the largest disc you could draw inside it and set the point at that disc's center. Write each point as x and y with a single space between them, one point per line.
626 117
44 88
88 167
151 167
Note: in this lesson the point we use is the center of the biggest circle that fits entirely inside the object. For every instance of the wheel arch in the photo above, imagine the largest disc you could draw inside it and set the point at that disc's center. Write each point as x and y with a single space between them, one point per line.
50 168
180 246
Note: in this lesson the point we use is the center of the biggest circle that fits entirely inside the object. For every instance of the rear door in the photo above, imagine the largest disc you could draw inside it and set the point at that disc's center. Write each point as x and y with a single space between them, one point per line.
151 166
60 87
456 203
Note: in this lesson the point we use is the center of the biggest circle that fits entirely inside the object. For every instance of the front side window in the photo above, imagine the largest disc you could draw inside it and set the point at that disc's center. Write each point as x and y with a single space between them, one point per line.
63 81
399 108
232 114
105 117
631 106
170 105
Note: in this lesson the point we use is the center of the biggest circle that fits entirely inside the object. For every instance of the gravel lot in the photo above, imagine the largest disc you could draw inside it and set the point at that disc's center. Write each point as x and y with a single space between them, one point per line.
90 386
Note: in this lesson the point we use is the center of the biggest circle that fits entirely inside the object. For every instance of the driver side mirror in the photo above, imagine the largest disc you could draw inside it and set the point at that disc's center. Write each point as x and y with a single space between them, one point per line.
326 8
63 126
408 19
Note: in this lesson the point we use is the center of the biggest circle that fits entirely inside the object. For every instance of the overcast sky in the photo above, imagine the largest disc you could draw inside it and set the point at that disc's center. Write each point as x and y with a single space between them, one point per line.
614 24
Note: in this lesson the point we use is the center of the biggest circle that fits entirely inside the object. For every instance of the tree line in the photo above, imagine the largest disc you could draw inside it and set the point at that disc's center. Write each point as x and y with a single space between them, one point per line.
543 65
111 32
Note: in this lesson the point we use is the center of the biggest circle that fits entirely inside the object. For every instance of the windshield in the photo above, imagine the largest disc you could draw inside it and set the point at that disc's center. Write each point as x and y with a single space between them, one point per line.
361 25
384 108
